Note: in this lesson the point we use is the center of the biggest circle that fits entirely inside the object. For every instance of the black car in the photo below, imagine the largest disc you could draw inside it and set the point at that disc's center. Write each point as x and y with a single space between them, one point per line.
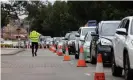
101 41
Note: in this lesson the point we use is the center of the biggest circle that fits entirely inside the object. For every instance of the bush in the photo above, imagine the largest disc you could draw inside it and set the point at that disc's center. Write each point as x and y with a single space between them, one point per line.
6 45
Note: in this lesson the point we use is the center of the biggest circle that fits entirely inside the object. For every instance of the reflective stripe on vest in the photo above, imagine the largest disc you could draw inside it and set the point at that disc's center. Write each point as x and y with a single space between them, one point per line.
34 36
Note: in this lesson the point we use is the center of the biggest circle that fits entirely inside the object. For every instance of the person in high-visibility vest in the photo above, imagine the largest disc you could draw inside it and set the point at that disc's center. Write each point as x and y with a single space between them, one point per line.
34 37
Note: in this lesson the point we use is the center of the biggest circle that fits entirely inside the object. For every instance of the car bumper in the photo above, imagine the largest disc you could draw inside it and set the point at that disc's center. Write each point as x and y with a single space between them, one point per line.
106 53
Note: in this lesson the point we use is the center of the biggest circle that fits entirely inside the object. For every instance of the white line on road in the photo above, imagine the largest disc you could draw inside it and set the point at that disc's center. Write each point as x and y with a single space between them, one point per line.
87 74
71 63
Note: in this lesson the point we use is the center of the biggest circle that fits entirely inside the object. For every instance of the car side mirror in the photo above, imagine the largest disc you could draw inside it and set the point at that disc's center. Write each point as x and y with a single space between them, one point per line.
82 39
77 35
94 34
65 39
121 31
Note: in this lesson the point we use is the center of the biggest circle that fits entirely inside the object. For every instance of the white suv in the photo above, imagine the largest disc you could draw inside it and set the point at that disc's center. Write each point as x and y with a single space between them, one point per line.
123 49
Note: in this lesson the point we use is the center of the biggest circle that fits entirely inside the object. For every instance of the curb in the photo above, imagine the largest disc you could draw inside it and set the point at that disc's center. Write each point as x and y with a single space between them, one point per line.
13 53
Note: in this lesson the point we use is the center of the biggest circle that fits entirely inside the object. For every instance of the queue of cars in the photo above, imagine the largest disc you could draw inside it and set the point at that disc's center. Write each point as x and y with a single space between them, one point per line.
113 39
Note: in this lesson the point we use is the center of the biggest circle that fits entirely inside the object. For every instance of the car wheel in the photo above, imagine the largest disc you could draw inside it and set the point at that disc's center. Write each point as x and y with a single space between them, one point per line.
92 59
69 51
63 51
76 56
116 71
77 53
127 70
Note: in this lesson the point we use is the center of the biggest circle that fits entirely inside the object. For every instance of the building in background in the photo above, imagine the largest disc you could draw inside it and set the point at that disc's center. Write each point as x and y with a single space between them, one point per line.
10 32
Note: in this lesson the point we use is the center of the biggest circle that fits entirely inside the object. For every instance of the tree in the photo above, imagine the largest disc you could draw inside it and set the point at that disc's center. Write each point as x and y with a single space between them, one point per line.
61 17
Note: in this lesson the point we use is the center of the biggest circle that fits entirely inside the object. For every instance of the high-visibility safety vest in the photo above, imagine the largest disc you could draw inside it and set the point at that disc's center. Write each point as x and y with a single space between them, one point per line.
34 36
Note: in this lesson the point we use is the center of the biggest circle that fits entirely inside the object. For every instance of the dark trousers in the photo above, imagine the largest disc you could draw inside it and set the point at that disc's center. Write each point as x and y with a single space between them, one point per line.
34 46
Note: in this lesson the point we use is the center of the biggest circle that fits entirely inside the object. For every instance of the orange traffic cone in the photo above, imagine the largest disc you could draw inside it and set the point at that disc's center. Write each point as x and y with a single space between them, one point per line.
81 61
66 56
50 47
99 74
59 52
54 49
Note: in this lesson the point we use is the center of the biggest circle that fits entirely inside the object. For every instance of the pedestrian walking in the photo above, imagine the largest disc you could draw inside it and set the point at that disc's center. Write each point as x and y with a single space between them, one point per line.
34 37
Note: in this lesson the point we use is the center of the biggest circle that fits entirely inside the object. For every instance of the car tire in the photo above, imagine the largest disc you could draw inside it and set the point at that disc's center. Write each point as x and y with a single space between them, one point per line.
116 71
76 56
128 75
92 59
63 51
69 51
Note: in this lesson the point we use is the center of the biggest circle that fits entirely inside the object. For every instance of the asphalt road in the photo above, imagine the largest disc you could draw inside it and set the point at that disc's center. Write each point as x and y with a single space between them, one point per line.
46 66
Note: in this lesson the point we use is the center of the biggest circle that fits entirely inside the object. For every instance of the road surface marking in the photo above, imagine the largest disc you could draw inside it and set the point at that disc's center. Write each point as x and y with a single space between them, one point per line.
71 63
87 74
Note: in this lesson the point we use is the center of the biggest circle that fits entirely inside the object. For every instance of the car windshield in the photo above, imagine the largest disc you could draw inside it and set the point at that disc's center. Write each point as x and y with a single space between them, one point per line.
85 30
132 28
72 36
108 29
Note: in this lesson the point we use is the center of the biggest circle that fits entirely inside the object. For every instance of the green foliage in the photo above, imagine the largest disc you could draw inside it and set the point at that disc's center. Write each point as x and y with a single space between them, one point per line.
59 18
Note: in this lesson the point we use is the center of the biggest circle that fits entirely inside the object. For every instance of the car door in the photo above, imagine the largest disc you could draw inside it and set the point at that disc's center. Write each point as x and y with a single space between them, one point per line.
86 46
77 41
85 39
94 41
122 42
120 39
